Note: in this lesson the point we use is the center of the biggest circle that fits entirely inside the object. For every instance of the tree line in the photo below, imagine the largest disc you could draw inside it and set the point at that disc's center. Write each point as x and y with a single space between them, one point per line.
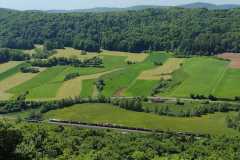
12 55
91 62
185 31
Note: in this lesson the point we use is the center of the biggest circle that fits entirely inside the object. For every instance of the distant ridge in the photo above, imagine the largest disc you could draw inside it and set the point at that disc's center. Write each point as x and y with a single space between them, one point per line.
209 6
106 9
142 7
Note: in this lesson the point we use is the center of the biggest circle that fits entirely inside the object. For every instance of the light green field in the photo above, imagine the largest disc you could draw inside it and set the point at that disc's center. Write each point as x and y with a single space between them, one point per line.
162 72
127 77
41 85
88 88
6 66
134 57
202 76
141 88
70 53
11 71
229 85
73 53
50 83
13 81
106 113
73 87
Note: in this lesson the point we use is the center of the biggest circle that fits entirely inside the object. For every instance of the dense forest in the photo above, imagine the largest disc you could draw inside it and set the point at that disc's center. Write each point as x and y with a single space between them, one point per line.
185 31
30 141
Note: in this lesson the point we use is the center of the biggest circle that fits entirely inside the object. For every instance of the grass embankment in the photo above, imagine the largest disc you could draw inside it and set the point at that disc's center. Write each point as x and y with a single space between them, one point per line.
106 113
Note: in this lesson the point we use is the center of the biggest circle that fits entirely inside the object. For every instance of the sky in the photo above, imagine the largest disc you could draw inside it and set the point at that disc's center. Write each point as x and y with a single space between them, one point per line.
83 4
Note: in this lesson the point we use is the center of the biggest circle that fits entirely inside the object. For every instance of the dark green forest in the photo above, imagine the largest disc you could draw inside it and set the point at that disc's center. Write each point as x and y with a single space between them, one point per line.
30 141
185 31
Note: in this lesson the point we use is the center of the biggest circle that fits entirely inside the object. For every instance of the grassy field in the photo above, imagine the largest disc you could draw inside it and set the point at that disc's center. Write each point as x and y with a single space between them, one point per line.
40 85
202 74
11 71
141 88
162 72
229 85
15 80
70 52
134 57
127 77
6 66
106 113
88 88
73 87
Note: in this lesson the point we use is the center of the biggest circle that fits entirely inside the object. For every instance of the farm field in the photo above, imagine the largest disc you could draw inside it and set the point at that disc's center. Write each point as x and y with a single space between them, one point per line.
204 75
6 66
73 87
162 72
187 76
233 58
106 113
127 77
229 85
70 52
141 88
11 71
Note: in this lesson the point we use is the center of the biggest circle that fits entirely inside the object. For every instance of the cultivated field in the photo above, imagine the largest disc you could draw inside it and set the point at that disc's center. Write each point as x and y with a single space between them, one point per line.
73 87
233 57
133 57
126 78
106 113
188 76
201 76
70 52
6 66
162 72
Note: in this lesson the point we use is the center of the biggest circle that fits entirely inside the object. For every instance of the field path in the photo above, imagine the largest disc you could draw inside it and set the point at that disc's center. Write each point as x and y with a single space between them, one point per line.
220 78
73 87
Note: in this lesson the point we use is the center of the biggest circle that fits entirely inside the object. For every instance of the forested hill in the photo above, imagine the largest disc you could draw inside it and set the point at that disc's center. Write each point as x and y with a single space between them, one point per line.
188 31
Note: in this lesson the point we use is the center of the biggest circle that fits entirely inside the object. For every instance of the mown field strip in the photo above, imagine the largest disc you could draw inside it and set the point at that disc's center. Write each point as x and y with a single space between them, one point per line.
219 80
135 57
162 72
70 52
15 80
6 66
12 82
201 74
5 96
73 87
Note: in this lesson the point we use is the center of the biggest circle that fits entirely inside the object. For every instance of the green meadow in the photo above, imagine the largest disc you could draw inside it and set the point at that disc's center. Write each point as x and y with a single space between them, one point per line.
107 113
